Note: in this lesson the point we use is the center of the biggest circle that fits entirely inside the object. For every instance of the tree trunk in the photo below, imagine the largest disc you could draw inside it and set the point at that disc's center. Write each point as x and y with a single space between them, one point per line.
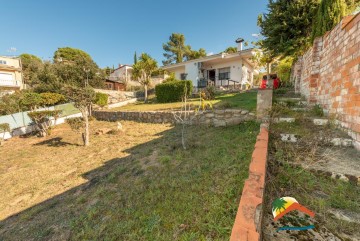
269 80
183 136
86 136
146 93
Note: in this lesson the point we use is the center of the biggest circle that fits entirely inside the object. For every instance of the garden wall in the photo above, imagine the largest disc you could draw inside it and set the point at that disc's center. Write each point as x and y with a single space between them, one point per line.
328 74
212 118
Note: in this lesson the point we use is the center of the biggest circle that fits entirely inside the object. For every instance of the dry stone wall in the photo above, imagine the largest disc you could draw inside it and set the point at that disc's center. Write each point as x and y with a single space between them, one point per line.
215 118
328 74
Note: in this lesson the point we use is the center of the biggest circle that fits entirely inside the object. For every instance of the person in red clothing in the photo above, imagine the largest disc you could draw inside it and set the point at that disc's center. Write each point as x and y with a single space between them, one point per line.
263 82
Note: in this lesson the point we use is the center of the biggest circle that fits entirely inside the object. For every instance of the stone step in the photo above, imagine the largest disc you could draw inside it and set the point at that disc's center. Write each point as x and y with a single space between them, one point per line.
334 141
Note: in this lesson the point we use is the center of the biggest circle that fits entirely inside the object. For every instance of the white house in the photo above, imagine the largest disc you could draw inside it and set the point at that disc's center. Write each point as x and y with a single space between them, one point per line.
233 69
122 73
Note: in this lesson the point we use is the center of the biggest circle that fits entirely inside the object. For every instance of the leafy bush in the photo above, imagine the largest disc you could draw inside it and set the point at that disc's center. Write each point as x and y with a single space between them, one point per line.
42 120
76 123
173 91
209 93
101 99
317 111
4 127
171 78
31 100
49 99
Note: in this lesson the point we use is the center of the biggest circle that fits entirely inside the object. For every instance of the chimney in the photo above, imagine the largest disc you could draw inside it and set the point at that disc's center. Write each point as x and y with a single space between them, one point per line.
239 41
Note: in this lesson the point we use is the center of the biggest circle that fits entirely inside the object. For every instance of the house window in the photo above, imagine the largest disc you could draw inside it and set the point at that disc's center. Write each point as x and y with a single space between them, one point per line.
183 76
224 73
2 62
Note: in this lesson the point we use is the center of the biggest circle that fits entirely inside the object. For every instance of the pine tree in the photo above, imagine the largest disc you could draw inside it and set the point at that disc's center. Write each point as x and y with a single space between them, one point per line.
135 58
287 26
329 14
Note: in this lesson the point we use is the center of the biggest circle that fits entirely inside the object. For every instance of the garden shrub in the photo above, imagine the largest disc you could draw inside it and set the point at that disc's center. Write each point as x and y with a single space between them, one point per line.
209 93
76 123
173 91
49 99
42 120
101 99
31 100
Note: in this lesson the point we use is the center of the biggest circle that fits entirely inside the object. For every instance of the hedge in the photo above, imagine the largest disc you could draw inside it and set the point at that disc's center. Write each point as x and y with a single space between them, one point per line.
101 99
173 91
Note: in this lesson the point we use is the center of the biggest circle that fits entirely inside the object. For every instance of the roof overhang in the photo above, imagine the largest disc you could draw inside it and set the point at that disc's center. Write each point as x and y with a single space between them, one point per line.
216 58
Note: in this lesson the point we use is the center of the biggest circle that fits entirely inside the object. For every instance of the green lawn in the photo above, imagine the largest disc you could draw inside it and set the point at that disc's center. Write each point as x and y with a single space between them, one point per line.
239 100
155 191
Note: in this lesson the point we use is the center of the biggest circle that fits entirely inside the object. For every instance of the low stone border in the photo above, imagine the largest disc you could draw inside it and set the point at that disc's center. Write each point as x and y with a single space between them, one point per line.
247 226
215 118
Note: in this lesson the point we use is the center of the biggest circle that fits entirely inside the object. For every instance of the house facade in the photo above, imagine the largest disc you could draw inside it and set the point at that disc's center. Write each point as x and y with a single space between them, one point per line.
11 77
219 70
122 73
115 85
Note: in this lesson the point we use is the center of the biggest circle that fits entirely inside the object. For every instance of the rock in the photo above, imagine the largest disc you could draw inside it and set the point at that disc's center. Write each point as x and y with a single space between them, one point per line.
119 126
288 138
102 131
320 122
244 112
219 123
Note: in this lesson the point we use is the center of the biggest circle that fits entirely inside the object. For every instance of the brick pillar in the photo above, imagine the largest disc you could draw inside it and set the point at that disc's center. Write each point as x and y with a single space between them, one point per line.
264 103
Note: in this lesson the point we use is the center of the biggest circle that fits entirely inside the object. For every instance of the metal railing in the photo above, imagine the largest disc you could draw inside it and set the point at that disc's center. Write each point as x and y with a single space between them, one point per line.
10 83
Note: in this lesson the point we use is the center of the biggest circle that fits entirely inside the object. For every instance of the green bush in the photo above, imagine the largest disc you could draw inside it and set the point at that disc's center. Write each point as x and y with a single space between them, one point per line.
101 99
49 99
173 91
4 127
31 100
76 123
209 93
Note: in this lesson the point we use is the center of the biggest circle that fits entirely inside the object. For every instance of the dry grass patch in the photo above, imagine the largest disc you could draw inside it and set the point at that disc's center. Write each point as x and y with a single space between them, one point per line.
136 185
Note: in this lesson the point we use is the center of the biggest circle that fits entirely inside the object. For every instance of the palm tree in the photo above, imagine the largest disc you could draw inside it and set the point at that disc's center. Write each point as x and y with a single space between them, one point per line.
278 204
142 71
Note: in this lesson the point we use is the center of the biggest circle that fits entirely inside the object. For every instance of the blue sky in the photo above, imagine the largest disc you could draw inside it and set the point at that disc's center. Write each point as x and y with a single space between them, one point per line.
111 31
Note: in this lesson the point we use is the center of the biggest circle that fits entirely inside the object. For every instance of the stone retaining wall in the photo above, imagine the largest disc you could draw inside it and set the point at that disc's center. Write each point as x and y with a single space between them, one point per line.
215 118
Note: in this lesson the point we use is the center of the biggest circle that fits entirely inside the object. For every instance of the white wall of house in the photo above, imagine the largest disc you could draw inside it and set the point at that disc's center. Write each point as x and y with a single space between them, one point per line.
192 71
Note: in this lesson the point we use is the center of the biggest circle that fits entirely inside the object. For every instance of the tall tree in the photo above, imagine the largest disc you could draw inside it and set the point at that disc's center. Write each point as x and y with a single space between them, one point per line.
142 71
287 26
329 14
135 58
83 99
76 67
193 54
231 50
175 49
31 67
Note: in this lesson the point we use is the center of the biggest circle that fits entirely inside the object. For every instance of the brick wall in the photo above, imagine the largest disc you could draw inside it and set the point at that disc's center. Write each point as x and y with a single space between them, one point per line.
328 74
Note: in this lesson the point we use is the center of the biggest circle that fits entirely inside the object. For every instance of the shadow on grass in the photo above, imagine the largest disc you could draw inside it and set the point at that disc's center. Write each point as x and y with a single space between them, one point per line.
158 192
55 142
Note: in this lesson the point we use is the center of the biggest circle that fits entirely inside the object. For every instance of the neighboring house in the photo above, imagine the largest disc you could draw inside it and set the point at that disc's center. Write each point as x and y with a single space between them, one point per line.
115 85
122 73
220 70
11 78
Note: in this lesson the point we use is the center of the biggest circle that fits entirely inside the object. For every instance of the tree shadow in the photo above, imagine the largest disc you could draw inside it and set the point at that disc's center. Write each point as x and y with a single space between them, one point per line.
111 202
52 218
55 142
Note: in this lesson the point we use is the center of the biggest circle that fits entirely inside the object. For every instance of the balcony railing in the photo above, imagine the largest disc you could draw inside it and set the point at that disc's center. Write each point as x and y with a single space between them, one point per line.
202 83
10 83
